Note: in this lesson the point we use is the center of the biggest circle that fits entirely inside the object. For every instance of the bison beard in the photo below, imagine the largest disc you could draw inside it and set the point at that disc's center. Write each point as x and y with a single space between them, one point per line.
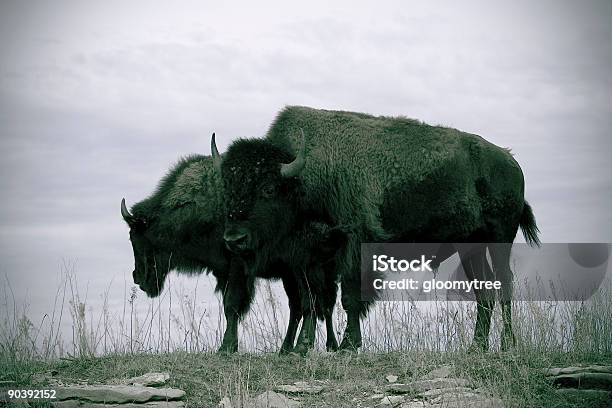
395 180
181 227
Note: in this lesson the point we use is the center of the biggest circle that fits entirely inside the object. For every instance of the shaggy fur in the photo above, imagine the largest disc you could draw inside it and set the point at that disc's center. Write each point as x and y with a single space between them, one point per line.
394 179
180 226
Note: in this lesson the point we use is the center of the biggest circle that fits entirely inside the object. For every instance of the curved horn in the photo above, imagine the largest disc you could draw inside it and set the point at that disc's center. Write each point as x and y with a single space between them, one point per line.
217 160
125 212
295 167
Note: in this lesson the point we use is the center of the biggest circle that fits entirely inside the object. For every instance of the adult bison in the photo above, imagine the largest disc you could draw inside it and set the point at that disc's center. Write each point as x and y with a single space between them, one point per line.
394 179
181 227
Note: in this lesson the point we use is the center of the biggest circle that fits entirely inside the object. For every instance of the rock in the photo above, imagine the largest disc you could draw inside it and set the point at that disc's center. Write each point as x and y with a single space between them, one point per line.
589 393
436 392
440 372
575 370
118 394
300 387
417 387
467 400
152 404
391 378
588 380
149 379
271 399
443 392
392 400
463 397
584 380
459 397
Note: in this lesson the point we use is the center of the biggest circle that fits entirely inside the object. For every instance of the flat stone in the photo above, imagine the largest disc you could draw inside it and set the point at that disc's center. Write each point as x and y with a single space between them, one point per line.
392 400
150 379
417 387
464 396
436 392
300 387
466 401
440 372
391 378
462 399
584 380
152 404
575 370
271 399
118 394
419 404
585 392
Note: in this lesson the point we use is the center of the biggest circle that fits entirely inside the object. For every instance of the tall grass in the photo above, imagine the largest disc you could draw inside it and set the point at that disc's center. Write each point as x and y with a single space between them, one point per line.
178 320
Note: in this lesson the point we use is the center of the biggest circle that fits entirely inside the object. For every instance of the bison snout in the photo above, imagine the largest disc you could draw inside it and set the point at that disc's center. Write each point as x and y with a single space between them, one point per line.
236 240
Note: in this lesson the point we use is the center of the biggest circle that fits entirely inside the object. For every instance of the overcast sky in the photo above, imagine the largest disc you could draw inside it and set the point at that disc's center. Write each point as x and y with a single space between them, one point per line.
98 99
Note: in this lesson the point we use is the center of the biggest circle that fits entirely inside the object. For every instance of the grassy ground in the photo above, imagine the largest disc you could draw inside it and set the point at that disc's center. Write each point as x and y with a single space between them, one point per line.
406 339
350 379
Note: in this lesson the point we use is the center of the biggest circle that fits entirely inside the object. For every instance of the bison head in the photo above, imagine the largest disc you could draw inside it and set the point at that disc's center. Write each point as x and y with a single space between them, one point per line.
151 264
261 193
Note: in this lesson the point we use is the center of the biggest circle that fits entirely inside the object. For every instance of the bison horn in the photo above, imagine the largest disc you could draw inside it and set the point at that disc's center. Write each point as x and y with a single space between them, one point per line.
124 211
217 160
295 167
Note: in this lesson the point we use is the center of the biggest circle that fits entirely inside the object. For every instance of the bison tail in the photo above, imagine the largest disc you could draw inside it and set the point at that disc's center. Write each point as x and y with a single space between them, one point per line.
529 227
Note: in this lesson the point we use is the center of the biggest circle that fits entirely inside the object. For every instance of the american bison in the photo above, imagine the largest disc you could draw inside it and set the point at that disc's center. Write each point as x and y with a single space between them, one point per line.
394 180
181 226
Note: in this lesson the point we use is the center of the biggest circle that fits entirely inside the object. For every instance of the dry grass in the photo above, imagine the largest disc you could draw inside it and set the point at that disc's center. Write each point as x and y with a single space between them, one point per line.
404 338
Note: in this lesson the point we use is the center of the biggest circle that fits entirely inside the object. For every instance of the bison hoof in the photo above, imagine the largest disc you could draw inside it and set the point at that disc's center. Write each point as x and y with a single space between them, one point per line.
349 346
285 350
301 349
332 346
477 347
508 343
228 349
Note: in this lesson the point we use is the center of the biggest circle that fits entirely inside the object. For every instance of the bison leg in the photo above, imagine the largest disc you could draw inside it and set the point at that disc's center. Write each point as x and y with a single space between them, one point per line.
307 335
476 266
230 337
500 258
351 294
352 334
295 313
237 297
331 344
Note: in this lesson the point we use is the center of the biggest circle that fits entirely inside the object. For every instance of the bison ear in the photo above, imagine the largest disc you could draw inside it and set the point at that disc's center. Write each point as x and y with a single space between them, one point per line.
294 168
217 160
134 222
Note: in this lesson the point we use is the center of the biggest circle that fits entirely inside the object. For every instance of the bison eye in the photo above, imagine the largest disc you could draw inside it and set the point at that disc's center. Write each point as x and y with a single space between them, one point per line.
267 191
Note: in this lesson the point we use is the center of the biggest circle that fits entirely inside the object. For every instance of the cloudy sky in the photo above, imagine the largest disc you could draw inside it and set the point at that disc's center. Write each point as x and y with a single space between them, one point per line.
98 99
